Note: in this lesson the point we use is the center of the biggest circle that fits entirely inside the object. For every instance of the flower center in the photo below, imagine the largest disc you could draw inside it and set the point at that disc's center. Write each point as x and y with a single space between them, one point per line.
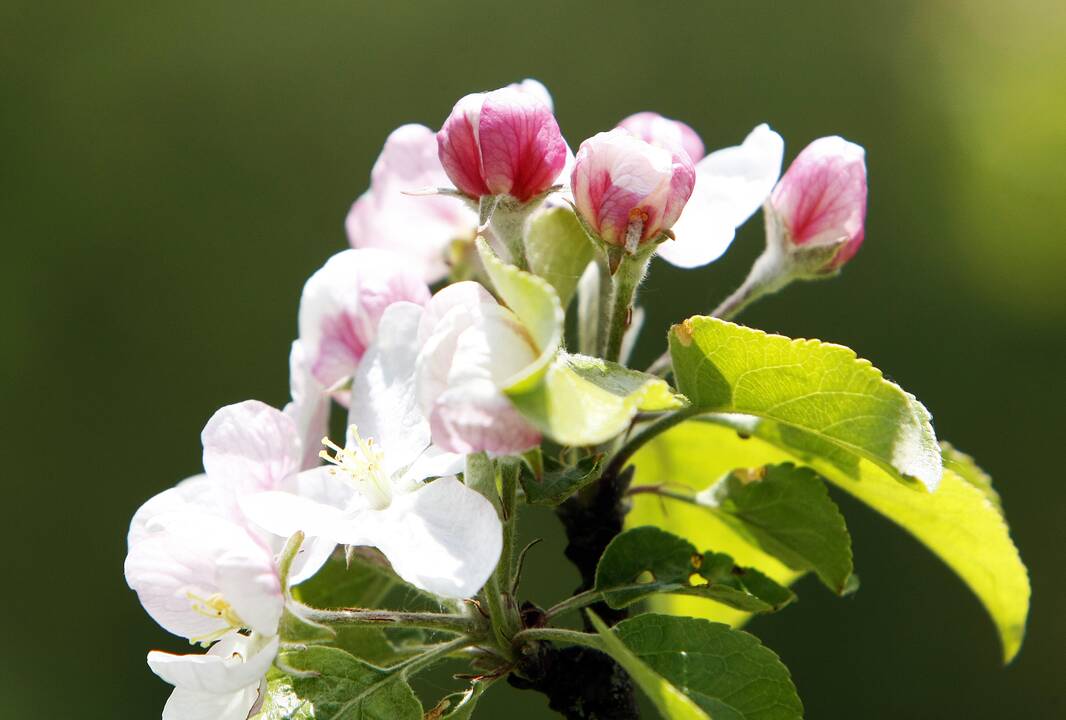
215 606
362 464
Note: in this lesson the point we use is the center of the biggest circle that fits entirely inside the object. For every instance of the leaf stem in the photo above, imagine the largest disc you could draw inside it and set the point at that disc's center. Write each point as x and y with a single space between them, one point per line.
466 625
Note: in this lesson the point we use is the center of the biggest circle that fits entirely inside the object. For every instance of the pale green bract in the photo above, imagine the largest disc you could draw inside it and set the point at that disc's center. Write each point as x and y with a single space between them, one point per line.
558 250
573 399
808 385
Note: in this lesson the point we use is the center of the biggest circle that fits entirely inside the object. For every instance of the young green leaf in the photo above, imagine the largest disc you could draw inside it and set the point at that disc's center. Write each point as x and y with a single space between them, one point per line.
959 522
819 388
585 401
676 566
729 674
787 511
559 482
558 250
671 702
340 687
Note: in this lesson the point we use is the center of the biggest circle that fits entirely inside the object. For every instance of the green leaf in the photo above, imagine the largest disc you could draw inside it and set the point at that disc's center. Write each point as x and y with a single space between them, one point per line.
684 458
674 565
341 687
282 703
558 250
960 522
727 672
535 304
815 387
559 482
671 702
586 401
787 511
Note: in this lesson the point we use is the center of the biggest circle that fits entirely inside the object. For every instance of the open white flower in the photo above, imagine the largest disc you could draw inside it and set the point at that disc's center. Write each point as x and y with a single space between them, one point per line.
225 683
440 536
200 575
197 564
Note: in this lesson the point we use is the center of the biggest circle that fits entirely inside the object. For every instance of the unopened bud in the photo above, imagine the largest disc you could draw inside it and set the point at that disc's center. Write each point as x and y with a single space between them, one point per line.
504 142
819 206
627 191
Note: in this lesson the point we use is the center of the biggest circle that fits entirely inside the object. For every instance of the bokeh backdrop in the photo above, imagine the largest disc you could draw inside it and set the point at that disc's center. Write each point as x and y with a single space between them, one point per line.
172 172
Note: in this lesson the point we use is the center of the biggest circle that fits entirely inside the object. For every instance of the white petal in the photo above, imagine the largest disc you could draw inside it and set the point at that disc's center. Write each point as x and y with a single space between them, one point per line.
252 589
731 184
315 553
434 462
190 705
251 445
284 514
197 494
443 538
310 405
233 663
384 402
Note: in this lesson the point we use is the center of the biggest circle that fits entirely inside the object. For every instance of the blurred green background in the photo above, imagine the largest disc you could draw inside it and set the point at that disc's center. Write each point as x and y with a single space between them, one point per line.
171 173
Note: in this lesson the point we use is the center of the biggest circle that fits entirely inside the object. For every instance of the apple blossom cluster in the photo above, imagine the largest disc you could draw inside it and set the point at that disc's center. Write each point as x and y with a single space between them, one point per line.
405 337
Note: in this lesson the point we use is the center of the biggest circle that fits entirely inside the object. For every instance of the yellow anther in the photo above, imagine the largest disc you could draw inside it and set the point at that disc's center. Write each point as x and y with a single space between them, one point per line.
363 465
217 607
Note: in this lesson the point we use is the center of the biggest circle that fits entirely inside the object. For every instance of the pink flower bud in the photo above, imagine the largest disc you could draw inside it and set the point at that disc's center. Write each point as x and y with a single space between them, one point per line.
504 142
821 199
628 191
673 135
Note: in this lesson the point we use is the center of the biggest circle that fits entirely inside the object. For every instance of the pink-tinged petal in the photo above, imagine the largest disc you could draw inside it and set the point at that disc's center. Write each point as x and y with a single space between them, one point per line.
343 302
522 150
443 537
472 351
821 199
619 178
476 417
674 135
536 90
419 227
309 408
175 566
233 663
251 446
195 494
457 146
731 184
